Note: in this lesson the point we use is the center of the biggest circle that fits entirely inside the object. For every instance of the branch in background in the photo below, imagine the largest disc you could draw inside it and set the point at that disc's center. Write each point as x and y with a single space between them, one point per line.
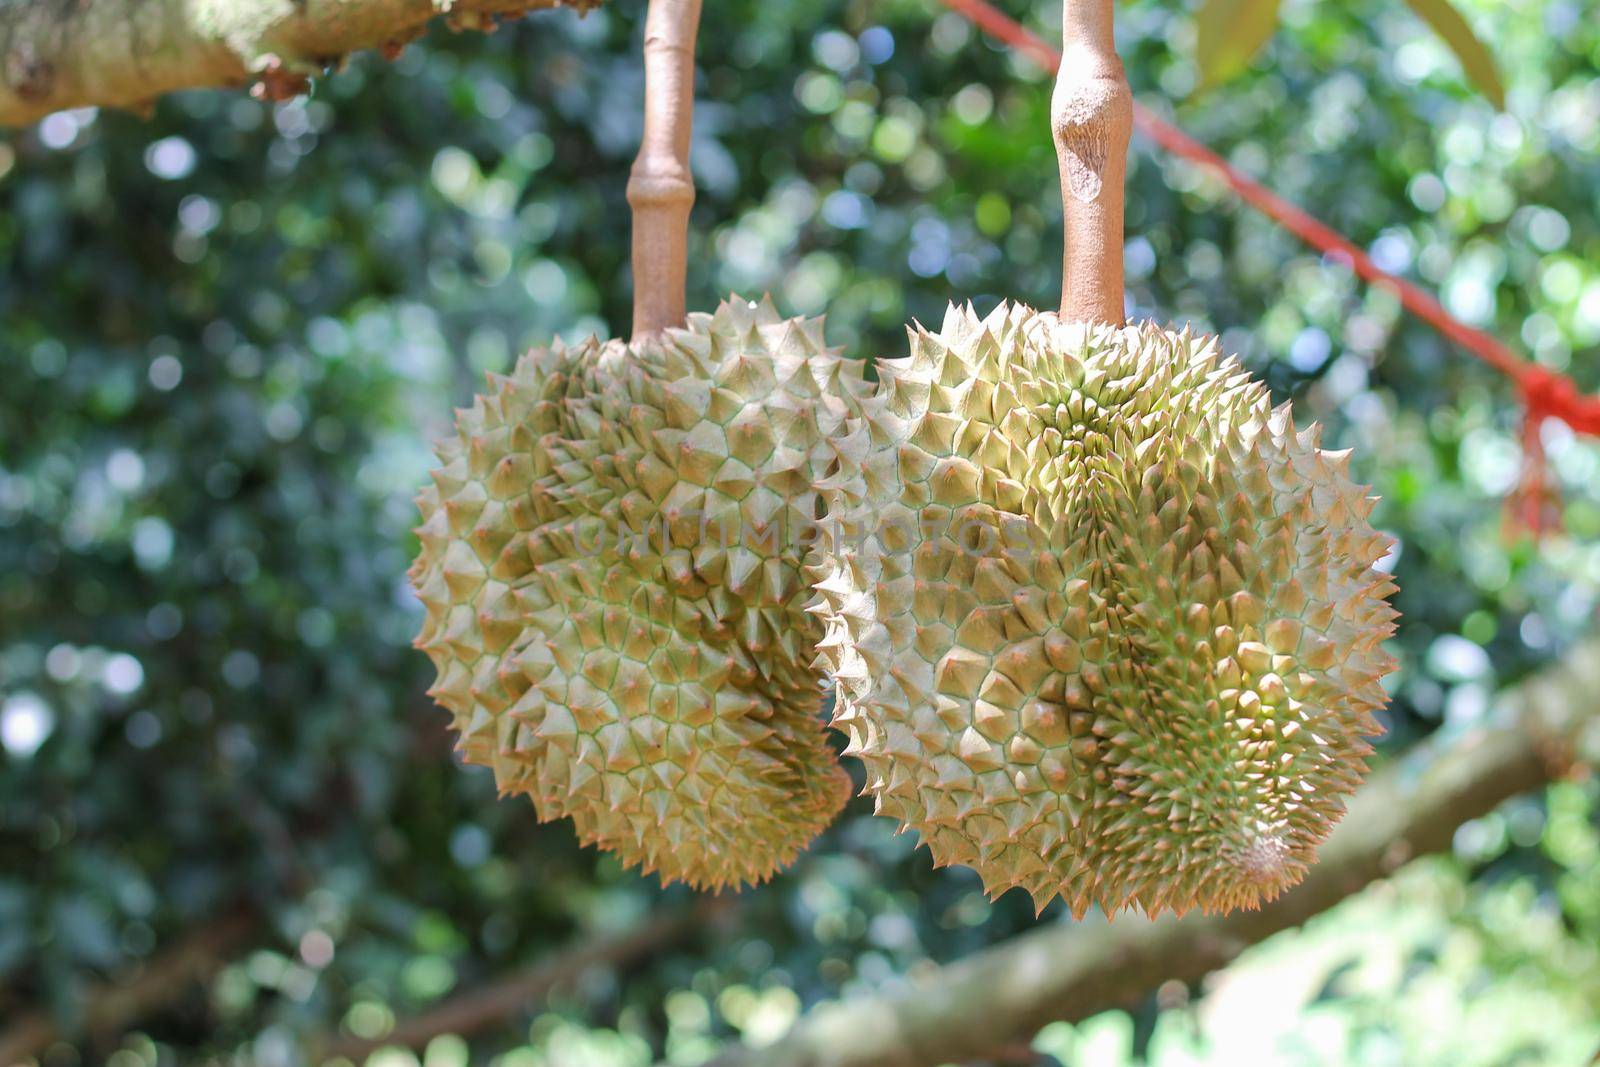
996 997
511 995
57 54
110 1008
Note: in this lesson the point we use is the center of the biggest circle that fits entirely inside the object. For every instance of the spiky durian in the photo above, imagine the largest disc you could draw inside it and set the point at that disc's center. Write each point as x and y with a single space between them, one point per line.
1104 625
612 569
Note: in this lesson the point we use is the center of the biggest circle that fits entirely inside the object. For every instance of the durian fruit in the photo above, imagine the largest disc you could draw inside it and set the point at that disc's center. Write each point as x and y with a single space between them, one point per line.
611 562
1104 624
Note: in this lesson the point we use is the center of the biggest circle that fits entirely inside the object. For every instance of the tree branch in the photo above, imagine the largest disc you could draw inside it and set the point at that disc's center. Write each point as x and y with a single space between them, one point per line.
1069 972
493 1004
109 1009
113 1006
57 54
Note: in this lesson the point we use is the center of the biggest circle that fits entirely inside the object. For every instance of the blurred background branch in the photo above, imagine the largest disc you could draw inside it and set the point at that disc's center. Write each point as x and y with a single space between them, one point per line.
108 1009
515 994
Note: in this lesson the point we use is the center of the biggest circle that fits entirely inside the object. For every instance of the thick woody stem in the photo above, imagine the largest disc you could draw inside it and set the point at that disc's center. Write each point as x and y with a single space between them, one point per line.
1091 115
660 189
57 54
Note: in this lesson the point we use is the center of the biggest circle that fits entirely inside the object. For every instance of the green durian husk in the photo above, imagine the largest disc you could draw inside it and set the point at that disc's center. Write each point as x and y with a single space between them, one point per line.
612 571
1104 625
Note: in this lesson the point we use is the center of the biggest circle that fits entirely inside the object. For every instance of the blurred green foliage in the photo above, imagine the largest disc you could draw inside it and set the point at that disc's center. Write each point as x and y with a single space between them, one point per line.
1229 33
228 332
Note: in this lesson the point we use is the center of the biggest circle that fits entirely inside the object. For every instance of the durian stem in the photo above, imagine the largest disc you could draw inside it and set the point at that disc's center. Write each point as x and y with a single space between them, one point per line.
1091 116
660 187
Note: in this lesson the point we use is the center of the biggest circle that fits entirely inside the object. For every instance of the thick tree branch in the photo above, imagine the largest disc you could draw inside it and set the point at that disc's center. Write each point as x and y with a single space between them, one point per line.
994 998
58 54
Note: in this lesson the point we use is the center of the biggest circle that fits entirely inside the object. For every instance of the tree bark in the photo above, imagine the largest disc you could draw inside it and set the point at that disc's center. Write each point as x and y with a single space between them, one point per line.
1005 994
57 54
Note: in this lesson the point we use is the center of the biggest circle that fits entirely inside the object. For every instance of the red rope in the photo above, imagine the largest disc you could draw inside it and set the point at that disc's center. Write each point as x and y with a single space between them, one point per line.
1545 394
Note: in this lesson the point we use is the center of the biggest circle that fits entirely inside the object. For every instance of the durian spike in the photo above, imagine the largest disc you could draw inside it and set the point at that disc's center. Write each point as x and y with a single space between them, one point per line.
1091 117
660 187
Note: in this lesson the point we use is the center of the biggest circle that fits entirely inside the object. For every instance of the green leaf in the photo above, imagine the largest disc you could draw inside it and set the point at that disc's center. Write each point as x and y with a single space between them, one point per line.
1231 32
1474 55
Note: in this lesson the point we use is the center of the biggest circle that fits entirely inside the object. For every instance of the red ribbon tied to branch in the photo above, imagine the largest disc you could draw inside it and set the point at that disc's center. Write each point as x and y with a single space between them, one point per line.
1545 394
